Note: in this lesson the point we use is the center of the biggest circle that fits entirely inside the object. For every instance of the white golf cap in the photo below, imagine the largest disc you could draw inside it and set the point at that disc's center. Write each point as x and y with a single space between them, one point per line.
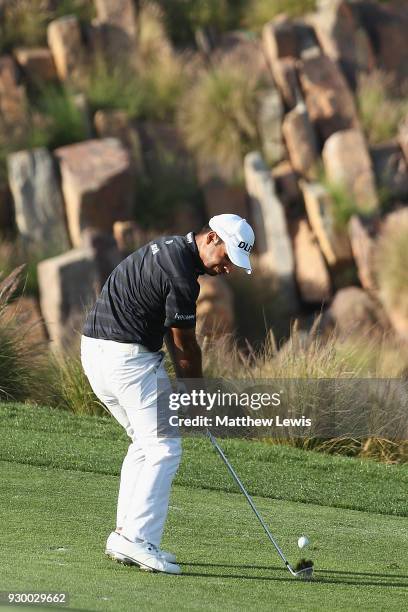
238 236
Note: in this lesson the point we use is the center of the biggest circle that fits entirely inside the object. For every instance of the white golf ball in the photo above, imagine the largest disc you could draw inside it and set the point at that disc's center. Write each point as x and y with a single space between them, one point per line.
303 541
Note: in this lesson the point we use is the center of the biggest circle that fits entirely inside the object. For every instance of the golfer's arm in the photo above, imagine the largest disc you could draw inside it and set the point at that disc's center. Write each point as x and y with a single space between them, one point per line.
184 352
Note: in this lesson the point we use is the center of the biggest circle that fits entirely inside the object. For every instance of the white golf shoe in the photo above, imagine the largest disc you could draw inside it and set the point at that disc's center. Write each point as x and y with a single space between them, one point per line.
144 554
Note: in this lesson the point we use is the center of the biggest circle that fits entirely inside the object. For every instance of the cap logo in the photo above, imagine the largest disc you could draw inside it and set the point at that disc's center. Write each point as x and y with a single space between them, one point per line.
244 245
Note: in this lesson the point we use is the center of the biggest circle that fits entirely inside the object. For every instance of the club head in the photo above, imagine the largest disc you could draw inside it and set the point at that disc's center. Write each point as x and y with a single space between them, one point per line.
304 569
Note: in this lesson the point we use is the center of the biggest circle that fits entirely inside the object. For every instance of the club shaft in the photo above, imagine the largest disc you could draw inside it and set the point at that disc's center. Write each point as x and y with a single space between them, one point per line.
248 497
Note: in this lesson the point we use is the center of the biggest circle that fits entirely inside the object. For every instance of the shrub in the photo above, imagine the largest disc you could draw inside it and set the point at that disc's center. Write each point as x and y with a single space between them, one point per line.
20 359
55 120
67 387
24 24
344 205
218 116
380 106
83 9
183 18
259 12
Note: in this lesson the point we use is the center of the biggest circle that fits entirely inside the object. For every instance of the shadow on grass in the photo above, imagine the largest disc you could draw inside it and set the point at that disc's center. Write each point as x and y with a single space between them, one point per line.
318 578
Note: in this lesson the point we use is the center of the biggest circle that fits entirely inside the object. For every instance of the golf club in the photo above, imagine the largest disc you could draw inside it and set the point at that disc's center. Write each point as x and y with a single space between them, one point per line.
304 569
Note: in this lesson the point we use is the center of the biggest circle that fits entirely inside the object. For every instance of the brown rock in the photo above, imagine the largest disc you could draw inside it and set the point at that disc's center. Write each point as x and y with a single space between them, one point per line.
219 195
279 39
363 245
286 78
286 182
272 238
106 252
301 142
270 113
333 241
129 236
328 98
387 26
403 137
348 164
215 310
342 38
6 210
97 185
13 101
390 169
38 204
116 124
353 311
119 28
311 273
37 64
64 40
68 284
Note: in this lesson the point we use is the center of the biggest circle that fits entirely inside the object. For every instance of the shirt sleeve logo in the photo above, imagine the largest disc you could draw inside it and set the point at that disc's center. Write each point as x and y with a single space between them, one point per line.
184 317
155 248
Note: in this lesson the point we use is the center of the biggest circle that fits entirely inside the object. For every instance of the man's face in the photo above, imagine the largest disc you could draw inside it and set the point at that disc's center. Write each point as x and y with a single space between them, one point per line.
214 256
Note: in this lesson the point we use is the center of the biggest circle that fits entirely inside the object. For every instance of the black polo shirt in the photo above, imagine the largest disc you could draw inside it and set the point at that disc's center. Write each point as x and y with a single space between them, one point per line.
152 289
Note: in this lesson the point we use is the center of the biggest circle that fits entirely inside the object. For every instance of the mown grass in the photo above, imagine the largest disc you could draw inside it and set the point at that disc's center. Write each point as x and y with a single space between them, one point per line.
60 483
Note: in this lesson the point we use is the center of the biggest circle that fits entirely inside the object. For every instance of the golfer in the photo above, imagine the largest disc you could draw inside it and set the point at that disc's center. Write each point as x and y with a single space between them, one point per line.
150 296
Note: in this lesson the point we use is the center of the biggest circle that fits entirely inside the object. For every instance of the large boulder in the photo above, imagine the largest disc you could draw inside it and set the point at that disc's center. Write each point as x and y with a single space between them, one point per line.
36 63
116 124
354 312
387 26
270 116
65 42
329 100
311 273
106 251
347 164
390 169
272 238
362 240
13 99
301 141
279 39
287 187
285 75
333 240
68 284
342 38
38 203
117 21
97 184
403 137
219 194
215 307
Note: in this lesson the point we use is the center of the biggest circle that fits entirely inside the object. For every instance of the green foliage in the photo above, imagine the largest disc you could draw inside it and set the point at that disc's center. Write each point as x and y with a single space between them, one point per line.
67 386
20 358
84 10
23 24
165 191
344 205
150 94
259 12
59 122
218 116
380 108
183 18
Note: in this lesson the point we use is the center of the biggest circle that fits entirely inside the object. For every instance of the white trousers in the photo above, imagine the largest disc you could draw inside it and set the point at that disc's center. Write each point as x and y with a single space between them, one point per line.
124 377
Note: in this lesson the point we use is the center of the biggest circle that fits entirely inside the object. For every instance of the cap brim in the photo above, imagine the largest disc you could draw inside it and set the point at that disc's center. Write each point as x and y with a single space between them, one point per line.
239 258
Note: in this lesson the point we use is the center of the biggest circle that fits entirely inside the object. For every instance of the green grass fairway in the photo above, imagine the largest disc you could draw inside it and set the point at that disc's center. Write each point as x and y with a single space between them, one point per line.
59 487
